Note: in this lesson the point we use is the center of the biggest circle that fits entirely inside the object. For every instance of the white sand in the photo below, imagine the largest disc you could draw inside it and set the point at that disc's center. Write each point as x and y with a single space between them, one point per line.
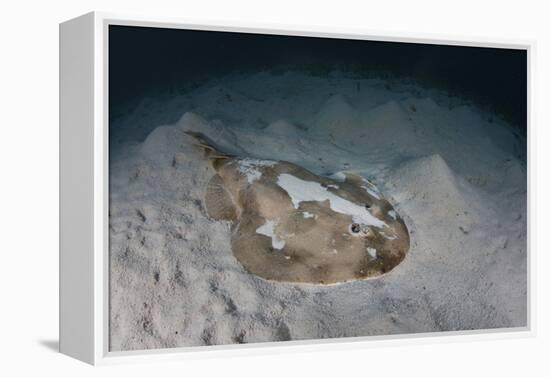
454 172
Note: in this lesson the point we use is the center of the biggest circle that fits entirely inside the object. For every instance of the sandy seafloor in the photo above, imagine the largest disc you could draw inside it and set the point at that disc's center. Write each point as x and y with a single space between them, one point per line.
454 172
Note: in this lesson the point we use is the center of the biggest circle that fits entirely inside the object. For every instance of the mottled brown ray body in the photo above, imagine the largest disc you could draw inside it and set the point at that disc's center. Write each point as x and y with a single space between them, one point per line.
280 234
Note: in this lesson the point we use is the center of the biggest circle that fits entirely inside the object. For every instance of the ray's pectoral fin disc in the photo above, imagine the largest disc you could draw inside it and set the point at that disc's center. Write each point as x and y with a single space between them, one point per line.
219 204
294 226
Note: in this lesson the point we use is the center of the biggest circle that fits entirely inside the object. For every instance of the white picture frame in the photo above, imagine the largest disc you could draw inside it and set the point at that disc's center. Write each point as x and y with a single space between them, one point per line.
84 148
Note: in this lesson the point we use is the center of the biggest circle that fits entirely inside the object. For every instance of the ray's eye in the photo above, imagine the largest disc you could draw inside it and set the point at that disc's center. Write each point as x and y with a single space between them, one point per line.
367 206
355 228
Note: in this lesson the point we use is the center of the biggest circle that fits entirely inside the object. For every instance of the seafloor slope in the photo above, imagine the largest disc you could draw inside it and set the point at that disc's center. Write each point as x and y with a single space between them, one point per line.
455 173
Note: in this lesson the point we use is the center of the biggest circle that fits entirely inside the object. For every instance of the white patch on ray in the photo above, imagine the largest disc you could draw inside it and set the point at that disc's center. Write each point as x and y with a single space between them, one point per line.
268 229
372 252
308 215
249 168
307 191
392 214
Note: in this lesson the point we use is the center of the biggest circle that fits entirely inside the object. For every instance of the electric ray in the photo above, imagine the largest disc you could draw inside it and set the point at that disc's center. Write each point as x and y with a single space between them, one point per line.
292 225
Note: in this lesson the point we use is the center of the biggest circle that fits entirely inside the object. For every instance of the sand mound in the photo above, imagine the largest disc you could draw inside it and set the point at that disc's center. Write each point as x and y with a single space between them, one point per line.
336 119
431 179
159 147
282 128
388 123
390 127
430 185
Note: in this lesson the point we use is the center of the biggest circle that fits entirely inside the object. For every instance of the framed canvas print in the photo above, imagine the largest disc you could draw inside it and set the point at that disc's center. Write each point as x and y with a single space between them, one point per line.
227 188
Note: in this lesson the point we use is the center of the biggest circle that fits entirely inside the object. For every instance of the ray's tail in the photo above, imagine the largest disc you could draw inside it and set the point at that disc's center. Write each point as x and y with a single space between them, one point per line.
212 152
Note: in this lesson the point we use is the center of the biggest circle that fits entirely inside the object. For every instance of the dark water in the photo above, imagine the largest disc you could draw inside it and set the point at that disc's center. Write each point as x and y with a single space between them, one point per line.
145 60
